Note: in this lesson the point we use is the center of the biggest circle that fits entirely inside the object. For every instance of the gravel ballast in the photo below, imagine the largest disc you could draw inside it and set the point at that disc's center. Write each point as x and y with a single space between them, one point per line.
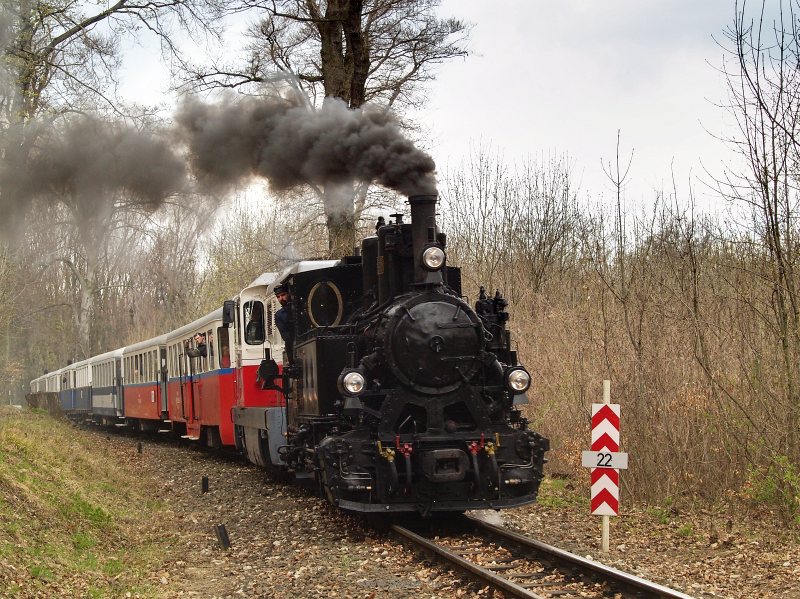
286 542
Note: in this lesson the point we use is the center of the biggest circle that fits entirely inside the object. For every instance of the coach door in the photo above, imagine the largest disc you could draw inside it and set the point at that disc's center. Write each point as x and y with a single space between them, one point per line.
118 393
237 356
196 369
189 388
192 386
162 382
184 385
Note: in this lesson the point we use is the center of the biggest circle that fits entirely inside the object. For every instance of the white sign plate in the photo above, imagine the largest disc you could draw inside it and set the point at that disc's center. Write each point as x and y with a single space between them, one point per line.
604 459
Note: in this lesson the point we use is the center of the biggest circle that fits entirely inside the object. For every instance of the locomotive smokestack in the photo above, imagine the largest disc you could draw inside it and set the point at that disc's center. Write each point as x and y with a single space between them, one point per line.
424 234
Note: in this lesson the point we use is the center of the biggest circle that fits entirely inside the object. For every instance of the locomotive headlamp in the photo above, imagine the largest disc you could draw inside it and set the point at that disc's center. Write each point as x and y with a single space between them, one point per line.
517 379
433 257
352 382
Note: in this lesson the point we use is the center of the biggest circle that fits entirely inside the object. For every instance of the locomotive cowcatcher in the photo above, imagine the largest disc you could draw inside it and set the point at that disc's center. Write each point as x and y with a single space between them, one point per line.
399 395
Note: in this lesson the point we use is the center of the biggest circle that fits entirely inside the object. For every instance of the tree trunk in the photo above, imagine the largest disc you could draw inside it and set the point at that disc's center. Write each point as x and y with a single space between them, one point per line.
341 234
332 51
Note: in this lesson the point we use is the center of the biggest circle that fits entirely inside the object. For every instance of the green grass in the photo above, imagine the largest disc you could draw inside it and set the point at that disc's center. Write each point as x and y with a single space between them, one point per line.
687 530
71 517
82 541
560 493
41 573
659 514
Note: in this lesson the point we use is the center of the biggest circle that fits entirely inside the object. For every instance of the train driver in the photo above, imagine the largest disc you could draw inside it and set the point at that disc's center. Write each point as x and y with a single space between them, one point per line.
283 318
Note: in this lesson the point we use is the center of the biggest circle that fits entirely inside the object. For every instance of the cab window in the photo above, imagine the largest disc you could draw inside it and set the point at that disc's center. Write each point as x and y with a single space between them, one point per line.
253 322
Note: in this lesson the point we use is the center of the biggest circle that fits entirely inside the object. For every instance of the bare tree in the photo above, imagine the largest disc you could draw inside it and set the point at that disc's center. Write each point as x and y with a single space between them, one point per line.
58 58
377 51
764 89
511 227
64 54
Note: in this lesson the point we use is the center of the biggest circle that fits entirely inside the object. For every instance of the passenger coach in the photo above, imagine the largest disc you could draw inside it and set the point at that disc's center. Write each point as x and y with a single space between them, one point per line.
201 383
107 390
145 378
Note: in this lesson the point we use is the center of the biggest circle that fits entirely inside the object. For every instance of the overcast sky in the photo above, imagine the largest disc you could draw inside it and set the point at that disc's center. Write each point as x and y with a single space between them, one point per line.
563 76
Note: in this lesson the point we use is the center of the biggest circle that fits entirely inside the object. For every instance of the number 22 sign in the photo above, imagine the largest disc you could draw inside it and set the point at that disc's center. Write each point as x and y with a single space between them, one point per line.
604 459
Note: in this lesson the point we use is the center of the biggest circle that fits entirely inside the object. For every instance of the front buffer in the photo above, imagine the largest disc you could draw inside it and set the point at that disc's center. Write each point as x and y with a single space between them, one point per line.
436 471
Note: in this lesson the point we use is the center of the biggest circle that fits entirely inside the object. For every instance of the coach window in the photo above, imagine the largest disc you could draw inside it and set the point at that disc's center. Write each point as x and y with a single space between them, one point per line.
254 322
192 363
210 349
199 362
224 348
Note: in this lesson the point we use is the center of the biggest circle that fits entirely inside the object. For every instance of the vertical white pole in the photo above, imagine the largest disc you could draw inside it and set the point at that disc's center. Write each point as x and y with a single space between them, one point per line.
606 520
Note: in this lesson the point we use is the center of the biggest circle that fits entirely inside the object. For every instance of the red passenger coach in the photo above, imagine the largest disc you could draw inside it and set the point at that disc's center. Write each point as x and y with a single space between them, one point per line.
144 374
256 338
260 413
201 386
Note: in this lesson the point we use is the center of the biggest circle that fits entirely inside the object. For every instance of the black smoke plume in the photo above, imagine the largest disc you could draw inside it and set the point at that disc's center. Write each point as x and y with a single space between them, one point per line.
88 164
290 145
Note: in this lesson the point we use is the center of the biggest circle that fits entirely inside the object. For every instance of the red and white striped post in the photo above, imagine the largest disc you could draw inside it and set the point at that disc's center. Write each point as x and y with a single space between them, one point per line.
605 461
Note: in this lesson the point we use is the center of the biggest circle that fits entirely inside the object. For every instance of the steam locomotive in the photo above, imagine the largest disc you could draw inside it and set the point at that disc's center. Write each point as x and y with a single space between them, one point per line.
390 392
401 396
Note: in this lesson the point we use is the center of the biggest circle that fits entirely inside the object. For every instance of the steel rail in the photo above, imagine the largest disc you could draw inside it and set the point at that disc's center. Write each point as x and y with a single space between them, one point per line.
607 572
487 575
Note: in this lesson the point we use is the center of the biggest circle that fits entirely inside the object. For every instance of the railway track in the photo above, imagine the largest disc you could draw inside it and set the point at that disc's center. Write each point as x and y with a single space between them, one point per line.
523 567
